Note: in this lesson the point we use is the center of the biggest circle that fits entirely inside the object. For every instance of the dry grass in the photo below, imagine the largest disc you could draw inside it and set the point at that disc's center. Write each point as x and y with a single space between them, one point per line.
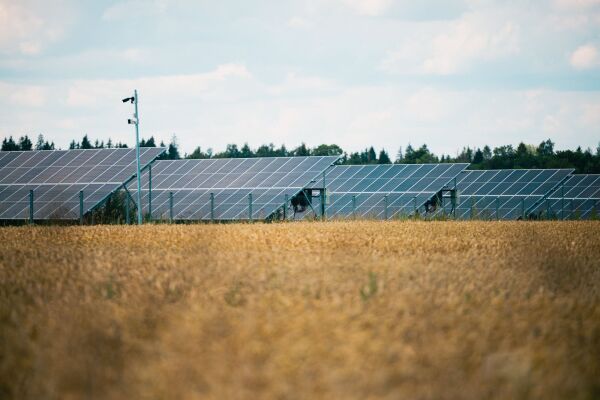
416 310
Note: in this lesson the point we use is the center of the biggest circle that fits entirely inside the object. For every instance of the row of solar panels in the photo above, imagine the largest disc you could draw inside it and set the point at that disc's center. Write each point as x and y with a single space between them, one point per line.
67 184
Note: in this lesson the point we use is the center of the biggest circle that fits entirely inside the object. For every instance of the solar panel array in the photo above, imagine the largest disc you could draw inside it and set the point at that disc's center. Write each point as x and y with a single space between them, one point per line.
504 194
230 181
577 198
385 191
57 176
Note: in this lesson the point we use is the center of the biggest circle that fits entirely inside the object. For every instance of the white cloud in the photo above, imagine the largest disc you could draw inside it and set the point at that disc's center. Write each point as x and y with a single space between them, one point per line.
299 23
456 47
371 8
585 57
26 28
134 8
576 4
23 95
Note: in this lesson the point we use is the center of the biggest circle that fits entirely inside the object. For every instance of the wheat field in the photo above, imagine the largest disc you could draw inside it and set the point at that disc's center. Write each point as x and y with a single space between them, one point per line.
337 310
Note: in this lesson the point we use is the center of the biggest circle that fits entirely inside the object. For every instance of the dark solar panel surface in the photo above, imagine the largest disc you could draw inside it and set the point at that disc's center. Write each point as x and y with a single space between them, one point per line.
230 181
577 198
57 176
505 194
405 187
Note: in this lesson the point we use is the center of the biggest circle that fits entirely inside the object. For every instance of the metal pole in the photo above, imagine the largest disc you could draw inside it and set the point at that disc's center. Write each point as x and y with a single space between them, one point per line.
171 207
354 206
562 202
31 206
497 208
385 207
522 208
150 192
472 205
81 207
250 206
323 199
137 158
127 218
415 205
212 207
454 205
285 207
547 208
572 211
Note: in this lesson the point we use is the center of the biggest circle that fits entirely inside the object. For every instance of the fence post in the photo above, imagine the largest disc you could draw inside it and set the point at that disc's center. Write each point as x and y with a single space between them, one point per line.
31 206
572 209
548 209
171 207
522 209
285 204
354 206
212 207
81 207
385 207
250 206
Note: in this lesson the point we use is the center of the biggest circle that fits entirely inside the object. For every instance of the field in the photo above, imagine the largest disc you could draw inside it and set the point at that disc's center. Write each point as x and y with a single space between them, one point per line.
339 310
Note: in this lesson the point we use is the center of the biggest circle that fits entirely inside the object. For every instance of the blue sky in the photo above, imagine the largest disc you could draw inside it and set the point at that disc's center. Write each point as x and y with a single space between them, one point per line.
351 72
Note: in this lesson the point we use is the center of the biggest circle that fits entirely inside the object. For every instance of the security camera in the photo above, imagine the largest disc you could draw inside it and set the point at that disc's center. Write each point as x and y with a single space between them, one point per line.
132 99
132 121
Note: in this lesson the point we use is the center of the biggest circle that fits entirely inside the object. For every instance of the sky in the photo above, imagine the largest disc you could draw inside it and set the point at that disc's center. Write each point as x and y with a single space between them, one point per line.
356 73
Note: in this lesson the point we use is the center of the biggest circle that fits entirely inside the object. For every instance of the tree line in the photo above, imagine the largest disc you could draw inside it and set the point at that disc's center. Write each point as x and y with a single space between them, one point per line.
503 157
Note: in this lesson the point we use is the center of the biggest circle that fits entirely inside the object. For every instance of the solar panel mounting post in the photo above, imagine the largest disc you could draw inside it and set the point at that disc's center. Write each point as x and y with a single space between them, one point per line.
171 207
150 192
285 204
385 207
522 208
31 207
562 202
250 207
323 198
81 207
354 206
212 207
497 208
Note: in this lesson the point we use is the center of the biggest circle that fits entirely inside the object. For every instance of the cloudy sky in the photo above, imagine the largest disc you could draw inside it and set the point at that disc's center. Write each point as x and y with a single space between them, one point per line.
353 72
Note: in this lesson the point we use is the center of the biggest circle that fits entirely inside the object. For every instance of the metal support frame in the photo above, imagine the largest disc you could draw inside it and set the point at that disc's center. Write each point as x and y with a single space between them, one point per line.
472 208
497 208
212 207
250 207
547 208
354 206
385 207
127 216
285 205
150 192
324 199
310 203
171 207
523 209
415 205
31 206
81 207
562 202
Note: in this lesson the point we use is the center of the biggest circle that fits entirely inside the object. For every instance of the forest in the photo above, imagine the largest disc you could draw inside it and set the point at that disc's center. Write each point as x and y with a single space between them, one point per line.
523 156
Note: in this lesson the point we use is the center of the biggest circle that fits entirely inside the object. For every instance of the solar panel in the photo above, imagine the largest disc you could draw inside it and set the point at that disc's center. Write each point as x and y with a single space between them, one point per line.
385 191
57 176
577 198
505 193
230 182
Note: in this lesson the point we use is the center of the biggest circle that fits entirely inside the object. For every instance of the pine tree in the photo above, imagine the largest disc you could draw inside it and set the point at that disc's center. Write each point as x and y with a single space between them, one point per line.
25 143
384 158
9 144
85 143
